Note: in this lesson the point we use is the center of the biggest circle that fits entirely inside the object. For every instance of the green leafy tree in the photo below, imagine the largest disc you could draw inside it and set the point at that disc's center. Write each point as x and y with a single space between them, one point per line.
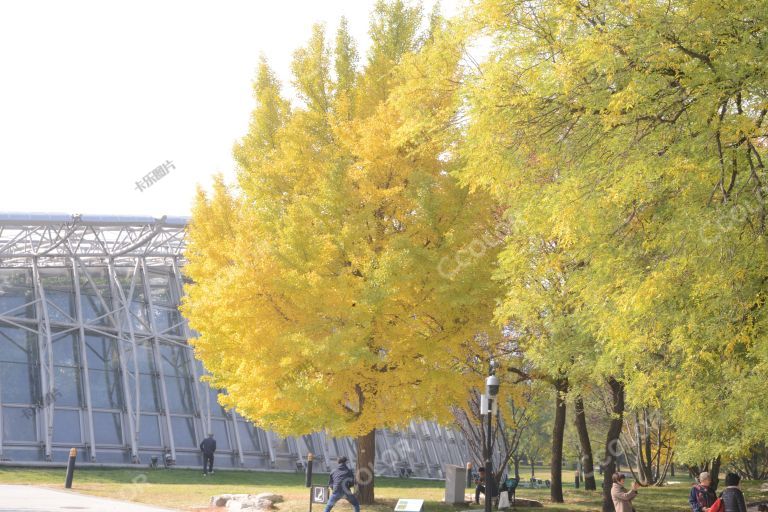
631 135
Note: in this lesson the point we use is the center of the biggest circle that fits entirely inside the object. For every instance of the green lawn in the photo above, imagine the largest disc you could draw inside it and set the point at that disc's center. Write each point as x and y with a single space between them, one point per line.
188 490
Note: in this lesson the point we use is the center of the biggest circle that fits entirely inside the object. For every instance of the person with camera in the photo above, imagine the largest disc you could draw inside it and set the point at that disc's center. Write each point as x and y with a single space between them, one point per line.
341 480
622 500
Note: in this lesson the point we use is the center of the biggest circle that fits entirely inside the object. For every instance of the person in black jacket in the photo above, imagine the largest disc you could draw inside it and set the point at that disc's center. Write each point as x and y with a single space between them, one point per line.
341 481
733 498
208 447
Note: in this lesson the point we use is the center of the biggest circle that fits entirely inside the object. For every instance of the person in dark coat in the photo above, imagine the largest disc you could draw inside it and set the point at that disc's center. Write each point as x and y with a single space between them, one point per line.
702 496
479 484
208 447
733 498
341 481
480 481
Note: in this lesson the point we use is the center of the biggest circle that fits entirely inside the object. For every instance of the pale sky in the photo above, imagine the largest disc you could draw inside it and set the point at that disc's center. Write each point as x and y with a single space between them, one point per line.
96 94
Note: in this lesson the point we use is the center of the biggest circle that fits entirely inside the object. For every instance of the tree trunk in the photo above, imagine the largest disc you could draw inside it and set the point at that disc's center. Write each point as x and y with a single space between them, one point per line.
533 470
556 489
517 468
366 455
587 462
715 473
712 467
612 441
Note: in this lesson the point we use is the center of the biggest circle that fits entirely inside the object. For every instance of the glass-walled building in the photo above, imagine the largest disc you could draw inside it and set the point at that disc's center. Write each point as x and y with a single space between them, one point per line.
94 355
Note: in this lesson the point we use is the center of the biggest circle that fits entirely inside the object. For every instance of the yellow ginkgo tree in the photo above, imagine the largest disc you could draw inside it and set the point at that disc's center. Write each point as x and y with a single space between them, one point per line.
317 286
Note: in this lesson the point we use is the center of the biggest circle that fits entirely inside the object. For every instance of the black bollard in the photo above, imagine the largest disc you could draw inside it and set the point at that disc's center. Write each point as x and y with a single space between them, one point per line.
469 475
578 478
309 470
70 468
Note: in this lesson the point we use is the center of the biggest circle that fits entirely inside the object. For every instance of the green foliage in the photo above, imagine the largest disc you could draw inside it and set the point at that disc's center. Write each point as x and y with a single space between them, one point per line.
627 139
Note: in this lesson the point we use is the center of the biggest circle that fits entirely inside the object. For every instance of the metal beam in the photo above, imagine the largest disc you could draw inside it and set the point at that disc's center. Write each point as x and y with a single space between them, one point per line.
158 358
45 354
84 360
117 294
203 400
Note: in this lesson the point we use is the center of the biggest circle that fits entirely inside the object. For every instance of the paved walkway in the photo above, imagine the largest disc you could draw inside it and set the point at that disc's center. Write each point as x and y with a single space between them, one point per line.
28 498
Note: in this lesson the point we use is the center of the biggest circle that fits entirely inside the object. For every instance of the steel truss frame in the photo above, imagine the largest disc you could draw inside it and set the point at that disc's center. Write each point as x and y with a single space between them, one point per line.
130 247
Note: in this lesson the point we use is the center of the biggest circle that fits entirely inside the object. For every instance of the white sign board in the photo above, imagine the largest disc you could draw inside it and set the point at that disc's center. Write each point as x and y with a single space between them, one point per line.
319 494
483 404
409 505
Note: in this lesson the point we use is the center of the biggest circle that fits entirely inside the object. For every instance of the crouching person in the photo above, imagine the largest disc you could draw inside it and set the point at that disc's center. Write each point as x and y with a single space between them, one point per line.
341 481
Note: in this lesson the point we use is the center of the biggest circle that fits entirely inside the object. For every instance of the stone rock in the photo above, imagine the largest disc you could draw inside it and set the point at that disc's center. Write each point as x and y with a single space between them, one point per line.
220 500
246 502
264 504
274 498
524 502
235 506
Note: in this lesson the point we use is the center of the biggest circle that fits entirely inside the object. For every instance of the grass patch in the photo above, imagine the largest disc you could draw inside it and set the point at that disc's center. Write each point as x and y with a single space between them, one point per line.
187 490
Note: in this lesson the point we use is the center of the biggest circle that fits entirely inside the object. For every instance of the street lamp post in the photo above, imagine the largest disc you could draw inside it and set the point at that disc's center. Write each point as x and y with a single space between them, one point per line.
491 389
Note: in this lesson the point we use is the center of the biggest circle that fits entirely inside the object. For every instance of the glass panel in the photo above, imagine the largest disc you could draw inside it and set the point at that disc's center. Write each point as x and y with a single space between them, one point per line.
136 298
168 321
144 357
189 459
66 426
174 360
17 345
59 293
62 454
139 317
107 428
183 432
149 430
23 454
18 383
113 456
16 289
65 351
19 424
125 276
67 386
221 434
249 437
102 352
179 394
106 389
159 280
150 393
93 307
216 409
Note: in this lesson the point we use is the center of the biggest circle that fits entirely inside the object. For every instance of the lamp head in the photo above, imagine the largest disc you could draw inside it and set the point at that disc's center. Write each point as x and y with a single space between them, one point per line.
492 385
